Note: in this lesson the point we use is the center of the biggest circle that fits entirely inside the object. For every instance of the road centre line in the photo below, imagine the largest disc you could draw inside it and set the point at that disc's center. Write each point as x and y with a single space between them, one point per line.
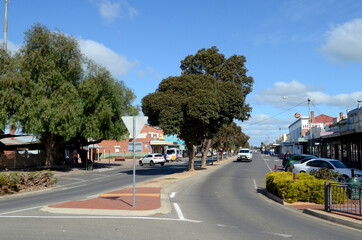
178 211
255 186
89 180
173 194
103 217
266 163
21 210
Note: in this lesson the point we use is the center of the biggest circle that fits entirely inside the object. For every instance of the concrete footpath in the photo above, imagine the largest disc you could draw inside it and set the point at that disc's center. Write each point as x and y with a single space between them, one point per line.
152 197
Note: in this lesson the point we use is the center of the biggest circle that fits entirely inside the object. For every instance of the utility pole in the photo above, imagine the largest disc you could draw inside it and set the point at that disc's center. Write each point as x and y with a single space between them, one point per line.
6 25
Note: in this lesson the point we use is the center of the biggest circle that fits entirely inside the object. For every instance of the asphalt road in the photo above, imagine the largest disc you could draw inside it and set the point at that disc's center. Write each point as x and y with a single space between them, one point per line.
225 204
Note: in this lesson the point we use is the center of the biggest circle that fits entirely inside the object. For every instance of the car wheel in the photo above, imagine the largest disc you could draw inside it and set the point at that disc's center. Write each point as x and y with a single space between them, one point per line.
152 163
140 163
162 163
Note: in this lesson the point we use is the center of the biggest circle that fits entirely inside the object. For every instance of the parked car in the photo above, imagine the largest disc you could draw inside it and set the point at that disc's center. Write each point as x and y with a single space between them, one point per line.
298 158
152 159
173 154
333 164
271 153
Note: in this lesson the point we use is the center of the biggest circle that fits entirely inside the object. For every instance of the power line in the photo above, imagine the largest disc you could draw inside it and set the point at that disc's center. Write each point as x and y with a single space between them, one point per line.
277 114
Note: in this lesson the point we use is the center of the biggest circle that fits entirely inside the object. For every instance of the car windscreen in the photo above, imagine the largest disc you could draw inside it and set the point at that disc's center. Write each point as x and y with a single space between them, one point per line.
244 151
158 155
170 151
338 164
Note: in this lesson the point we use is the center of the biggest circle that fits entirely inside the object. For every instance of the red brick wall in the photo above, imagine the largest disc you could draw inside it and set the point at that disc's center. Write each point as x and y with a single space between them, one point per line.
151 132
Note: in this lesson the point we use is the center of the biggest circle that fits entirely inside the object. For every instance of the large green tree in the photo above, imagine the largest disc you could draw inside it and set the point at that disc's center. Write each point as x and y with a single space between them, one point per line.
61 96
233 72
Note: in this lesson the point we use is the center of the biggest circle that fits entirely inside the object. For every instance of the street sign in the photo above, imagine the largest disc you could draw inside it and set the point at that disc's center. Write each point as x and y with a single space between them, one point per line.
140 121
134 126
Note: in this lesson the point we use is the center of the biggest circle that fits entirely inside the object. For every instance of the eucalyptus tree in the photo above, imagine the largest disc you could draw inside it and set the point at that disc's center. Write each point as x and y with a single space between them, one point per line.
60 96
230 71
187 105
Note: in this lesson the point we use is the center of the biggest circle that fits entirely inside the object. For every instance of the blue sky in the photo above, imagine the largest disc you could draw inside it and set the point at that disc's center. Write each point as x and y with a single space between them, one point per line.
297 48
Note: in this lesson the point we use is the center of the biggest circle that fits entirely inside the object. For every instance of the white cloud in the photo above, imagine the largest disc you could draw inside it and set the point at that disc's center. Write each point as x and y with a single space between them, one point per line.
344 42
12 47
298 92
264 128
111 10
118 65
149 73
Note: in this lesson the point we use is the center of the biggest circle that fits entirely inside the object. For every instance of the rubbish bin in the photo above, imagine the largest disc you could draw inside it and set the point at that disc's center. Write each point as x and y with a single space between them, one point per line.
353 190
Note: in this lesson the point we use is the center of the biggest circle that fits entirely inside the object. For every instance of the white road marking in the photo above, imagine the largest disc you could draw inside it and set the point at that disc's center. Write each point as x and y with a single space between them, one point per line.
222 225
255 186
266 164
103 217
280 234
93 196
178 211
20 210
173 194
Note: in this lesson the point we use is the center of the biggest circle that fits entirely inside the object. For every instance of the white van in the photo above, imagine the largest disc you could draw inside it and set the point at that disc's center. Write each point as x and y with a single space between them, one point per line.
173 154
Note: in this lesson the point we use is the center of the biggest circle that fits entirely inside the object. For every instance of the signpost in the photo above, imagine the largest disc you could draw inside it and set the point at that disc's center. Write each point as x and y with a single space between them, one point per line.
134 126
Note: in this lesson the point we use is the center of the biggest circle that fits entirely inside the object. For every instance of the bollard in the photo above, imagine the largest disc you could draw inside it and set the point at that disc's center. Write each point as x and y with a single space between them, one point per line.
294 176
276 168
352 172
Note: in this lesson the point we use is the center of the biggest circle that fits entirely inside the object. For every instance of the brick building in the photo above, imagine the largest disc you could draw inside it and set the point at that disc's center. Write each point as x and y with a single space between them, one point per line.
150 140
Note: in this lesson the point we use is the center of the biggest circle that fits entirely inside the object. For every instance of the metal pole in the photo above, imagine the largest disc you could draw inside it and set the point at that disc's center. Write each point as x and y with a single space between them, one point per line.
134 161
6 25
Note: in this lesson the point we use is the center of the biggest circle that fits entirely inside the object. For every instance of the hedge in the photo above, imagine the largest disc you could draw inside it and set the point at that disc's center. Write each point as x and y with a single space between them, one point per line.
305 188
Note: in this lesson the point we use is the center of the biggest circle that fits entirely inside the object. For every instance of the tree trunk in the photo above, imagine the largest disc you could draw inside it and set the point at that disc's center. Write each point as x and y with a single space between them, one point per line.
51 151
191 152
205 150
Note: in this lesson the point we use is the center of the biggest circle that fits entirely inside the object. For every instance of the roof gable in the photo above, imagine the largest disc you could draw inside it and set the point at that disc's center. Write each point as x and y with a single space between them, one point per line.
323 119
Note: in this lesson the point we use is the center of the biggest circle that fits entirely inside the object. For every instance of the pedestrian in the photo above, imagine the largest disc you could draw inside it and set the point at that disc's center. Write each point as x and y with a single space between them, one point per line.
286 159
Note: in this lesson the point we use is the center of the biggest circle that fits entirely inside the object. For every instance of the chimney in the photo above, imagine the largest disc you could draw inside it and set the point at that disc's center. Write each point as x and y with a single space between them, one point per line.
341 115
312 116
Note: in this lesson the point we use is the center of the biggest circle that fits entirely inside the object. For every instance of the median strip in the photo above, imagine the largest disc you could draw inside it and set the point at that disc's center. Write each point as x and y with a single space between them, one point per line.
110 195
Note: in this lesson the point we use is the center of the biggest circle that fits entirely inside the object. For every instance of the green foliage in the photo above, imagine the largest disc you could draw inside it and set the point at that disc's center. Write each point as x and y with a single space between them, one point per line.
52 91
230 136
22 181
325 174
209 93
306 188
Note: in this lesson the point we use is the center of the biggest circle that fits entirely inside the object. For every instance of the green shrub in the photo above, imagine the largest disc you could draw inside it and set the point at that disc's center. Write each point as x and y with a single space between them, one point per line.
305 188
325 174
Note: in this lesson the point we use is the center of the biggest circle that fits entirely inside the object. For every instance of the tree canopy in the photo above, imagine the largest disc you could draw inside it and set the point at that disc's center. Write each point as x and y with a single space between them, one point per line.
198 103
60 95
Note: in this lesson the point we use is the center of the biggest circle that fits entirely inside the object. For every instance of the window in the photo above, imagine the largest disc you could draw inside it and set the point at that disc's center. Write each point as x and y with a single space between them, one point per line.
116 149
139 147
315 163
326 165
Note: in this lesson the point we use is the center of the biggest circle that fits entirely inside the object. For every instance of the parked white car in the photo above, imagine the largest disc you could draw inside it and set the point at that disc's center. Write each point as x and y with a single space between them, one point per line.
152 159
333 164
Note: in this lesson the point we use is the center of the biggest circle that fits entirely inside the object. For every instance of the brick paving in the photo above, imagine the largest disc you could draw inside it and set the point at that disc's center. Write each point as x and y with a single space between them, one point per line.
147 198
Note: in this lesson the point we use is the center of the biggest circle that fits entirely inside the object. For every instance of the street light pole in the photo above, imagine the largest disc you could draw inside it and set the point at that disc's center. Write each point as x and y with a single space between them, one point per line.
6 25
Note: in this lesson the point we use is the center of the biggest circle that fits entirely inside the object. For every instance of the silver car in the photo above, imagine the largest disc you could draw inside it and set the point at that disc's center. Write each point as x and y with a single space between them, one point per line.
152 159
333 164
